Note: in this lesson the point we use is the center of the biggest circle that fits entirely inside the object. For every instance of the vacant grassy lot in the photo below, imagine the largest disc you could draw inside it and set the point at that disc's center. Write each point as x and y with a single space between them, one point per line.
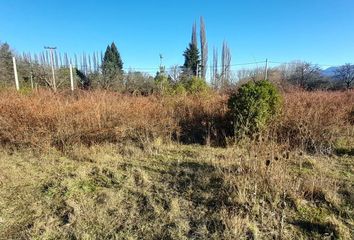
100 165
175 192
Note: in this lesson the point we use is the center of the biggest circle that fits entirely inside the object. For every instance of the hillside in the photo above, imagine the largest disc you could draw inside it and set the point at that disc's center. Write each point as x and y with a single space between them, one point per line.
329 72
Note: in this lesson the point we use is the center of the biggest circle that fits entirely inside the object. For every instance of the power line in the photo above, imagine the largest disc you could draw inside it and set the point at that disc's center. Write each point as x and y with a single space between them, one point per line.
158 68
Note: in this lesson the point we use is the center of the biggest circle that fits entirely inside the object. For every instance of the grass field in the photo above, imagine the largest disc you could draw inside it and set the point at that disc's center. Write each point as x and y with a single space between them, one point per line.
96 167
174 192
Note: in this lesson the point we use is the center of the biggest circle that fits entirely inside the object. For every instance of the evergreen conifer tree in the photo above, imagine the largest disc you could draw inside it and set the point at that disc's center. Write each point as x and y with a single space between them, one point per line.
112 63
192 61
6 67
112 66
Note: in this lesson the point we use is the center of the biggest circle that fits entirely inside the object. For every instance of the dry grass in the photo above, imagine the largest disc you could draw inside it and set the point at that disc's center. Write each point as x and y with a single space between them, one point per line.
46 119
175 192
111 171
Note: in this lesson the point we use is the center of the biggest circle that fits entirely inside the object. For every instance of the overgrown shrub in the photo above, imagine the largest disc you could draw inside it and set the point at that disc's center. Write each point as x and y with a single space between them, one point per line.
46 119
314 121
253 106
43 119
196 85
202 118
179 89
163 84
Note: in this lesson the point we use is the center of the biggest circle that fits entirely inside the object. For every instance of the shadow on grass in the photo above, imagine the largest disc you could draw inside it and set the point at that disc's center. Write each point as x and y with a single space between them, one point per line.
324 229
205 188
206 129
345 151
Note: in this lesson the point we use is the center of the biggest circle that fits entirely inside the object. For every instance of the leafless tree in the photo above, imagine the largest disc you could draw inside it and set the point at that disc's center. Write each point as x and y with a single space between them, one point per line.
225 65
203 49
56 60
175 73
194 39
94 62
305 73
345 74
255 74
89 63
215 72
66 60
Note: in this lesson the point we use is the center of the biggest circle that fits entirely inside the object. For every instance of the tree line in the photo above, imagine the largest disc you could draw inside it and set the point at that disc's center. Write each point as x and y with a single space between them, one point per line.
106 71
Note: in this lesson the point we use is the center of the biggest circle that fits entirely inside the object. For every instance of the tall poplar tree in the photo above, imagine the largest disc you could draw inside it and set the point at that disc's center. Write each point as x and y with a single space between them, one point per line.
203 49
225 65
191 54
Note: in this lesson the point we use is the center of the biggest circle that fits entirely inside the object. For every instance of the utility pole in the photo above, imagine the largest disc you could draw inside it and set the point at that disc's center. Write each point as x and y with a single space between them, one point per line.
161 57
162 71
52 62
162 68
15 72
266 70
71 78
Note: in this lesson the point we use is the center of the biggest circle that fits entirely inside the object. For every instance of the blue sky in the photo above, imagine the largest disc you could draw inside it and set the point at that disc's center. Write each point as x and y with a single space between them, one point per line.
319 31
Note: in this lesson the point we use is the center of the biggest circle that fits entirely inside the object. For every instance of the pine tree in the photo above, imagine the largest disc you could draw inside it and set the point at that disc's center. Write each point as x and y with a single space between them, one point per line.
112 66
191 56
6 68
112 63
118 63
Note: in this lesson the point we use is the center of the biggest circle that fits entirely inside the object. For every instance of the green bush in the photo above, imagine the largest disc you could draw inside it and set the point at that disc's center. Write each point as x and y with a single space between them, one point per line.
179 89
196 85
163 85
253 106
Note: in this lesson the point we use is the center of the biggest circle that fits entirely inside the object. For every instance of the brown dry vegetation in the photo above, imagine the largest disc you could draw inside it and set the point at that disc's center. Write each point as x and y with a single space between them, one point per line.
100 165
311 121
46 119
316 121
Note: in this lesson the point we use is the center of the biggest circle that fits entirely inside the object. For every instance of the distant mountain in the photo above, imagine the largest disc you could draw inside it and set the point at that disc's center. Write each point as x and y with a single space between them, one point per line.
329 72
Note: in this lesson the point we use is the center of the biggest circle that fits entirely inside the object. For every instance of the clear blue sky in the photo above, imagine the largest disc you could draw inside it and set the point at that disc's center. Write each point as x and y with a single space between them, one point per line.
319 31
